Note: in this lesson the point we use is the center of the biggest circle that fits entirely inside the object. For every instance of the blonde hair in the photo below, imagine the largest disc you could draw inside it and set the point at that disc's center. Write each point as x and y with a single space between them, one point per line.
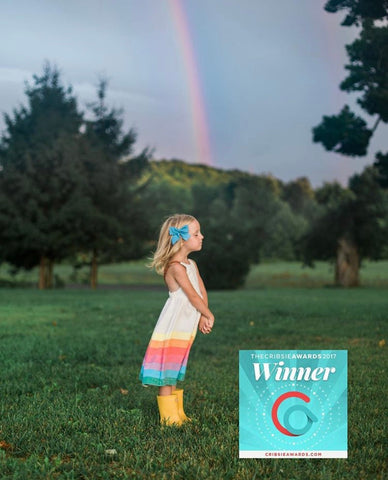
165 250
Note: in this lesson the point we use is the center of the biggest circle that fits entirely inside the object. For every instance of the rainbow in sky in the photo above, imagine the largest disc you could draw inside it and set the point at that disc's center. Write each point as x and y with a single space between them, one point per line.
197 103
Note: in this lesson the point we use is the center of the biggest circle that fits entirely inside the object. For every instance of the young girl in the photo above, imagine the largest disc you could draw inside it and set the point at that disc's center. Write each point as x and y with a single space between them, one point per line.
186 309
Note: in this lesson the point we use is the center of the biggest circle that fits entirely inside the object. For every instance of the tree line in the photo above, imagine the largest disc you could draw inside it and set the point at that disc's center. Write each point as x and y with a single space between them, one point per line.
71 188
249 218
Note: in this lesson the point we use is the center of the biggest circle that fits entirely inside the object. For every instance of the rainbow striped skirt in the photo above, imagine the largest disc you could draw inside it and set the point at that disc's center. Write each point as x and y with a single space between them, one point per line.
165 360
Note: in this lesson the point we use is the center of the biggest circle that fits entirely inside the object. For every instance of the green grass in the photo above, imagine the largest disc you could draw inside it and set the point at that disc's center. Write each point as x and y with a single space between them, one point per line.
267 274
294 274
66 355
131 273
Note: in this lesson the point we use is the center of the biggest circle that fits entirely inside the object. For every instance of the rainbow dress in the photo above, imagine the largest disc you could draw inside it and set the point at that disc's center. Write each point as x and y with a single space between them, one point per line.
167 353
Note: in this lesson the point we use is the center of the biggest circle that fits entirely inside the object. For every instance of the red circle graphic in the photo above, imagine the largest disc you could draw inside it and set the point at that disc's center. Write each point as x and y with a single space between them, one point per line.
275 408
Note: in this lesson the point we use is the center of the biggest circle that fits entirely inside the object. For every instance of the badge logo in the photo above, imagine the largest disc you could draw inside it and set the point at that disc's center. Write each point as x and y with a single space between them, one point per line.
293 403
290 430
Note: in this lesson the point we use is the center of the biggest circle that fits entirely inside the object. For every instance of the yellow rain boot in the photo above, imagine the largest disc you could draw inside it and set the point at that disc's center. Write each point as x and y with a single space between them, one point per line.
179 394
168 409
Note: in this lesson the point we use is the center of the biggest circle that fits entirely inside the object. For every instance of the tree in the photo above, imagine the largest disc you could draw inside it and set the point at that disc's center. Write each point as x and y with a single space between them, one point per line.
235 219
115 228
300 196
352 226
66 189
344 133
226 258
283 234
347 133
381 165
163 198
358 10
41 181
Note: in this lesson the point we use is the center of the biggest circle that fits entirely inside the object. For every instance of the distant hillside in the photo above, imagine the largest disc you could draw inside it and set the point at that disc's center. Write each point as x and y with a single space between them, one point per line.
179 173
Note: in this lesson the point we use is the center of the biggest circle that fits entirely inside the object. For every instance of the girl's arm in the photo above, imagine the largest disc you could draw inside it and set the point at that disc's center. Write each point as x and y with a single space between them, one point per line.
179 274
205 325
202 288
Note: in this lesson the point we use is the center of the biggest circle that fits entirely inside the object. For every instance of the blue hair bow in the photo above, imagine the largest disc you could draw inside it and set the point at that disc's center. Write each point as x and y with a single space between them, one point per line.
177 233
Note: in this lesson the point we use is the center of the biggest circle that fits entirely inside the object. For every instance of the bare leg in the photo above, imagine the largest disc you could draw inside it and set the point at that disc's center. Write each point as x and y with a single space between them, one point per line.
165 390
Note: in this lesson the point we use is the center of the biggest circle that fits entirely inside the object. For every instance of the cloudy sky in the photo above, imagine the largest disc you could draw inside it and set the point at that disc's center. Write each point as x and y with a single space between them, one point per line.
230 83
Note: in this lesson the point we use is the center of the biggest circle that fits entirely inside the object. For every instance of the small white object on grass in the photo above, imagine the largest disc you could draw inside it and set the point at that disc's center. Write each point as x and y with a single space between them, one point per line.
111 451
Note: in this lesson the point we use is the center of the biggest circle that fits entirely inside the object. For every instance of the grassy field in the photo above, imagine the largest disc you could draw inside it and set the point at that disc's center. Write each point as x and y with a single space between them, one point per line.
267 274
69 389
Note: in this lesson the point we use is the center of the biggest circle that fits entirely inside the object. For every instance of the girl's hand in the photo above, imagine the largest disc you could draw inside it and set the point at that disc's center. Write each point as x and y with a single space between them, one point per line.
202 325
205 324
210 321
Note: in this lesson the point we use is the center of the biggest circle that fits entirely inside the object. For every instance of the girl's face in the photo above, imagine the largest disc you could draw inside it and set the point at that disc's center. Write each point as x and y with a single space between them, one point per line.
194 243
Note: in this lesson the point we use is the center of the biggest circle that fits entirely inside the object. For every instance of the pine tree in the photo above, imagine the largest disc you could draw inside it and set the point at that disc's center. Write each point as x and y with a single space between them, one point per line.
41 181
116 228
